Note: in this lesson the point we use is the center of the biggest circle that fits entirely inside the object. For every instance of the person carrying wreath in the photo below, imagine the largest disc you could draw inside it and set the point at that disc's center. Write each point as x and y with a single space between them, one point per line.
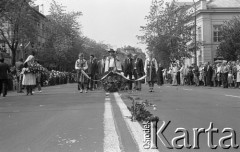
81 64
29 77
151 68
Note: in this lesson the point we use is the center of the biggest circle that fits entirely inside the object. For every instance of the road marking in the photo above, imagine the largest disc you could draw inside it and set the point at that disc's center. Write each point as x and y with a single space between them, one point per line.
134 127
187 89
111 139
232 96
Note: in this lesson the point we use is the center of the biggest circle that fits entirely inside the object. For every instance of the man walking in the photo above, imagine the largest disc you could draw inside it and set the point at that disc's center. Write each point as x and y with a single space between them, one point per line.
4 70
128 69
138 71
92 70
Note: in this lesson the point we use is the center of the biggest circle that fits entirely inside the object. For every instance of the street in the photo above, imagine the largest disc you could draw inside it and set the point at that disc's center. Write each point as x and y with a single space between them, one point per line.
62 120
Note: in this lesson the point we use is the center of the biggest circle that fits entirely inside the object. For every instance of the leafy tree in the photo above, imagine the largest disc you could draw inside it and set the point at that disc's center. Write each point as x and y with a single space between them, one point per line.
63 39
17 23
167 31
229 48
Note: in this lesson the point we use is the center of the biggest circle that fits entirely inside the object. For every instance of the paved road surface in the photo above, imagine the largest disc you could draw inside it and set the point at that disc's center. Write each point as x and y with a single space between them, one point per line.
62 120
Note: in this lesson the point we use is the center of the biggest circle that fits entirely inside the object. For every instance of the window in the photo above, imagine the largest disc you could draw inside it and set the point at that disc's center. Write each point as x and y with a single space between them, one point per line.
217 36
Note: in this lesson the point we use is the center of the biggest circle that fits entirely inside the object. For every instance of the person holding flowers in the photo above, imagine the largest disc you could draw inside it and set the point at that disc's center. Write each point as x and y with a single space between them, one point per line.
29 77
81 65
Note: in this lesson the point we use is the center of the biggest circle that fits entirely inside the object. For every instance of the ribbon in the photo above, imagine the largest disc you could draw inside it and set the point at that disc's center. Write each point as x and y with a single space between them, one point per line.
139 79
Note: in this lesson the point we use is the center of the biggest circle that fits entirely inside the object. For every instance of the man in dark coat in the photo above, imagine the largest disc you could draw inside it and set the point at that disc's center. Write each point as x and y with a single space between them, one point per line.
19 67
208 72
138 71
4 70
128 69
160 75
92 71
101 69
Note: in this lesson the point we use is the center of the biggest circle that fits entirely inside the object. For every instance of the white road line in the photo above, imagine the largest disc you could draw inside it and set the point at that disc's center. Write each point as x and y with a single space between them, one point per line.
232 96
134 127
187 89
111 139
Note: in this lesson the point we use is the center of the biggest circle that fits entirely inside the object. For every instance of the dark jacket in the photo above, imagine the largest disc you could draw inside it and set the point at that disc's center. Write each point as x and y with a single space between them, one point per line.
128 66
4 70
138 64
92 67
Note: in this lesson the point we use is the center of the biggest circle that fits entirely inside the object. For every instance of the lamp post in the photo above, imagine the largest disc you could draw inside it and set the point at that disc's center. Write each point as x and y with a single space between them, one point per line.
195 34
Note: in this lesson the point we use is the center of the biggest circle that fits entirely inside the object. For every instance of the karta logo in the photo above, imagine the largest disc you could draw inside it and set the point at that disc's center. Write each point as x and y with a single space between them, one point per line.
229 140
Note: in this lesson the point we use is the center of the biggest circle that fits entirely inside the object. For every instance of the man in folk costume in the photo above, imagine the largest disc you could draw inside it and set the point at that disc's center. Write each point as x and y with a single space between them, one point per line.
128 69
110 63
138 71
81 65
151 68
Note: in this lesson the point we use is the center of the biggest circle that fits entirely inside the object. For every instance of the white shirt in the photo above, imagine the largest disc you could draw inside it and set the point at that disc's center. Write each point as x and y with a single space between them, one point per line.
109 63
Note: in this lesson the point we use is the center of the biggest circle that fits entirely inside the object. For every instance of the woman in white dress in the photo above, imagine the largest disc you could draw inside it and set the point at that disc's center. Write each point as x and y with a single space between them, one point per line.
29 78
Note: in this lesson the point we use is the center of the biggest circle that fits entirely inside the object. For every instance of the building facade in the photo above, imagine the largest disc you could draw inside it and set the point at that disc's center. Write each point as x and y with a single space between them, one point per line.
210 15
25 45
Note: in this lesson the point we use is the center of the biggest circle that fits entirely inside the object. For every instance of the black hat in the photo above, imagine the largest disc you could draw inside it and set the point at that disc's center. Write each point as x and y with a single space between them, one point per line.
111 50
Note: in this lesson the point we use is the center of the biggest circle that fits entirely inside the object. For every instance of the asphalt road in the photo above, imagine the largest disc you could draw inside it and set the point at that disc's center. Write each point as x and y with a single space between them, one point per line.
62 120
191 107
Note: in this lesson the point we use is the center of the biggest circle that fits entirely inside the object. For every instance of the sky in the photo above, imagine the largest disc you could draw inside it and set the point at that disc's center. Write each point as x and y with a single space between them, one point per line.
114 22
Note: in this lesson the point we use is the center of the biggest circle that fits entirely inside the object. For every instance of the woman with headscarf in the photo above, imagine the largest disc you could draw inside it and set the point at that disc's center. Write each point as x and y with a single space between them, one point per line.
29 77
151 68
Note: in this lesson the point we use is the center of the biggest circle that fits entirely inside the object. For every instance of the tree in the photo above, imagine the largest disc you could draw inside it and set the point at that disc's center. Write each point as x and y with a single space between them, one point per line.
229 48
17 24
63 41
167 31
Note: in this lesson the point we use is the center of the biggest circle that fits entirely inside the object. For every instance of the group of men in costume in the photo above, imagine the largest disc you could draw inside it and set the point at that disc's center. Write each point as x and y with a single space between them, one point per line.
132 69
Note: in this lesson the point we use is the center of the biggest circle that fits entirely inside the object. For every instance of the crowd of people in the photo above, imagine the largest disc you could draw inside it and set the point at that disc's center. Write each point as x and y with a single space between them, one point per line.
222 74
132 71
31 76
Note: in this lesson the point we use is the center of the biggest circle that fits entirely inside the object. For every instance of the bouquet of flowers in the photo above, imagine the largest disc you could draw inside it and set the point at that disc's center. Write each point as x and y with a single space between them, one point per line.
34 68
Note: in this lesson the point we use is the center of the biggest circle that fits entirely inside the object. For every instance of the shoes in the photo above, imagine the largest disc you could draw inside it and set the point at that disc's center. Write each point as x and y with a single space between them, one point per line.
86 91
32 92
81 91
40 91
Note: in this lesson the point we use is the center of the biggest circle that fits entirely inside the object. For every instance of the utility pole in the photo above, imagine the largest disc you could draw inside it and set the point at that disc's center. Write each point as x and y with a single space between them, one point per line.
195 34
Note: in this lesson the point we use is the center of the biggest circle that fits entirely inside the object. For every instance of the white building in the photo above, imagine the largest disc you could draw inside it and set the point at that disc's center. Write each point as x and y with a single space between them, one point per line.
210 15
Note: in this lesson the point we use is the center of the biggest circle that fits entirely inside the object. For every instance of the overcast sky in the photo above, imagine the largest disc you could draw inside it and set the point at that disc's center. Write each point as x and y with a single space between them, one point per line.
114 22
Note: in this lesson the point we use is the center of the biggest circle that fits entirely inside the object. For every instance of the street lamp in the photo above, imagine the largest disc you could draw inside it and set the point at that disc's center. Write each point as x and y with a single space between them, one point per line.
195 35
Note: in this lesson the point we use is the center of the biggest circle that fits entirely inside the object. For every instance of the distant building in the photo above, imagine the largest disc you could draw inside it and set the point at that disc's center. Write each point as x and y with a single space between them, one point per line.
210 15
24 48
